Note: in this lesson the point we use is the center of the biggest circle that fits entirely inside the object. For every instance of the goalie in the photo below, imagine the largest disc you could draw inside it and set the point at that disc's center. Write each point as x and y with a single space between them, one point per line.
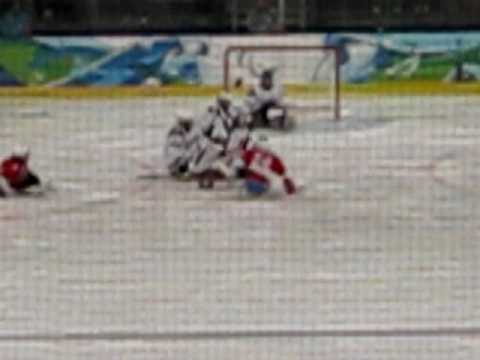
265 102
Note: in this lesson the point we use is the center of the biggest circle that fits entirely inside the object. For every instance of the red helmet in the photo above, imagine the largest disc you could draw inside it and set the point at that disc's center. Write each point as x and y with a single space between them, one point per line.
14 170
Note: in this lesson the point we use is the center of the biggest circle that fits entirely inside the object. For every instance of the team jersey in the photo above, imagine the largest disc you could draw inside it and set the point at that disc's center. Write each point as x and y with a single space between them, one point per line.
264 166
236 141
260 96
228 116
176 151
218 123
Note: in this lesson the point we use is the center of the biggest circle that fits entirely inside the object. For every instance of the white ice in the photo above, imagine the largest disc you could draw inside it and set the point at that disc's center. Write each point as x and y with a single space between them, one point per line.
386 236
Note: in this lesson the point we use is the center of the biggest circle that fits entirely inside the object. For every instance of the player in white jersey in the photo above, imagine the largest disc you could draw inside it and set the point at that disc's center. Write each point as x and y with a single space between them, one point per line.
266 103
209 139
217 130
224 110
177 150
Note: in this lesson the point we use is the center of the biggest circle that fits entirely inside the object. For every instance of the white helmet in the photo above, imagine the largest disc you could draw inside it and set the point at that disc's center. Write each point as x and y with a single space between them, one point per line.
183 115
184 119
225 97
20 151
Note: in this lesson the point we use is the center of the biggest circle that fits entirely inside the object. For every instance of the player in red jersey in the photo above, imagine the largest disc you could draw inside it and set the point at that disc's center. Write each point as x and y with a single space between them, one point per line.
263 170
260 168
15 175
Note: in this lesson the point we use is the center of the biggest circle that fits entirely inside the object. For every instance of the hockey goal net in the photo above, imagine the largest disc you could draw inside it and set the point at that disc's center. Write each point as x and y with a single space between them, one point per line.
310 74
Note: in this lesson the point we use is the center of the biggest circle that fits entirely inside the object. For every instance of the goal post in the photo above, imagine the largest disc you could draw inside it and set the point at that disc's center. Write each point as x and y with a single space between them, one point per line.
310 73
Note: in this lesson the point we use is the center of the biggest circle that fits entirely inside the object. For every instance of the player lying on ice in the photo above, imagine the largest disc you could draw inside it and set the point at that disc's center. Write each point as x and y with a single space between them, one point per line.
266 104
15 176
260 169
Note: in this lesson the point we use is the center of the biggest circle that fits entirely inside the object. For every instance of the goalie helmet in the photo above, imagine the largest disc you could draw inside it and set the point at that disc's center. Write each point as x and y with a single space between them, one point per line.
266 79
268 73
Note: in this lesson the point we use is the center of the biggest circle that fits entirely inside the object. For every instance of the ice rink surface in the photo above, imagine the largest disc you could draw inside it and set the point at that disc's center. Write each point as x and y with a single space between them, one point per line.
377 259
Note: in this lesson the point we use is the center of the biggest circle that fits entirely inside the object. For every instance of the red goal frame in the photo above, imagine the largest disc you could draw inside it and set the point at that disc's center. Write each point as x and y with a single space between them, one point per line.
280 48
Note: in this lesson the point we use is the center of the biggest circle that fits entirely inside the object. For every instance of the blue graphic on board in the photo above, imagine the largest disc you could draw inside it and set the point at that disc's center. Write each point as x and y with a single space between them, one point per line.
381 57
163 60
